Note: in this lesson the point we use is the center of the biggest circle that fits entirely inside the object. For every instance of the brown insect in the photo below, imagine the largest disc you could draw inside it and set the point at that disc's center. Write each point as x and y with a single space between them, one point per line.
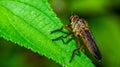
79 28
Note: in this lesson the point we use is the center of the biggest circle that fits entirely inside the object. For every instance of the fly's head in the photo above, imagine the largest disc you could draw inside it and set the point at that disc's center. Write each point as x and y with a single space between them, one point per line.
78 24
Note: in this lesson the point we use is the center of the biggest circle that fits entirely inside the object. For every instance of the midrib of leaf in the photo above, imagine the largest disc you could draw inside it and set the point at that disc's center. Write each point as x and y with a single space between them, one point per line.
41 41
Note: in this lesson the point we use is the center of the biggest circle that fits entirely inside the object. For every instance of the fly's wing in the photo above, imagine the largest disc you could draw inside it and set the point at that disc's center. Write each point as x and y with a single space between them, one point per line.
91 44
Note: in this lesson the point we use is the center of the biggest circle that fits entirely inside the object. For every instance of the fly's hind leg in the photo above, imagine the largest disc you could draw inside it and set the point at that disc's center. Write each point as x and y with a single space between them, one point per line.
73 54
77 49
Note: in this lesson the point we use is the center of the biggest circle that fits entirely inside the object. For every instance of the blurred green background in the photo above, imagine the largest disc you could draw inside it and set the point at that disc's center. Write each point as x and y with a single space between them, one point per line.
103 17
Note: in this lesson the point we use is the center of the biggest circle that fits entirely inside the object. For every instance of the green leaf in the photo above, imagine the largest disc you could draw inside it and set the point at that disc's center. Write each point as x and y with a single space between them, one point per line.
29 23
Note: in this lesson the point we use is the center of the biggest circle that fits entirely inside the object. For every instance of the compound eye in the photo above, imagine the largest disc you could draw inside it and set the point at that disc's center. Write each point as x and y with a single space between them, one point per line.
71 17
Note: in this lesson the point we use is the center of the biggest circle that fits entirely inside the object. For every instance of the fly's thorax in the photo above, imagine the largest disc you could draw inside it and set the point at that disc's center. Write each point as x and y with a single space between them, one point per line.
78 24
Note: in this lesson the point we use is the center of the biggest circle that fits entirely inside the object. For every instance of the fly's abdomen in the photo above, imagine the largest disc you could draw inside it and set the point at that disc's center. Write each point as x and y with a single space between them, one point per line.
91 44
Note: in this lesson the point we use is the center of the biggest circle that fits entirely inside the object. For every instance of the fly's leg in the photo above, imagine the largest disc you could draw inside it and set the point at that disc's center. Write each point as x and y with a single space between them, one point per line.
67 27
82 47
60 30
73 54
74 51
77 49
61 37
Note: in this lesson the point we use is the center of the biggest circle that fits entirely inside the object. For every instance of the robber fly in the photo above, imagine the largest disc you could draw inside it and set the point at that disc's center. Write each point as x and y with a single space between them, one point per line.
79 28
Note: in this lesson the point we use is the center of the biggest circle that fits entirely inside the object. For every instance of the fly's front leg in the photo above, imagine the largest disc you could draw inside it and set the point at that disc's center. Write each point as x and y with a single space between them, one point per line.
67 27
57 30
60 30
